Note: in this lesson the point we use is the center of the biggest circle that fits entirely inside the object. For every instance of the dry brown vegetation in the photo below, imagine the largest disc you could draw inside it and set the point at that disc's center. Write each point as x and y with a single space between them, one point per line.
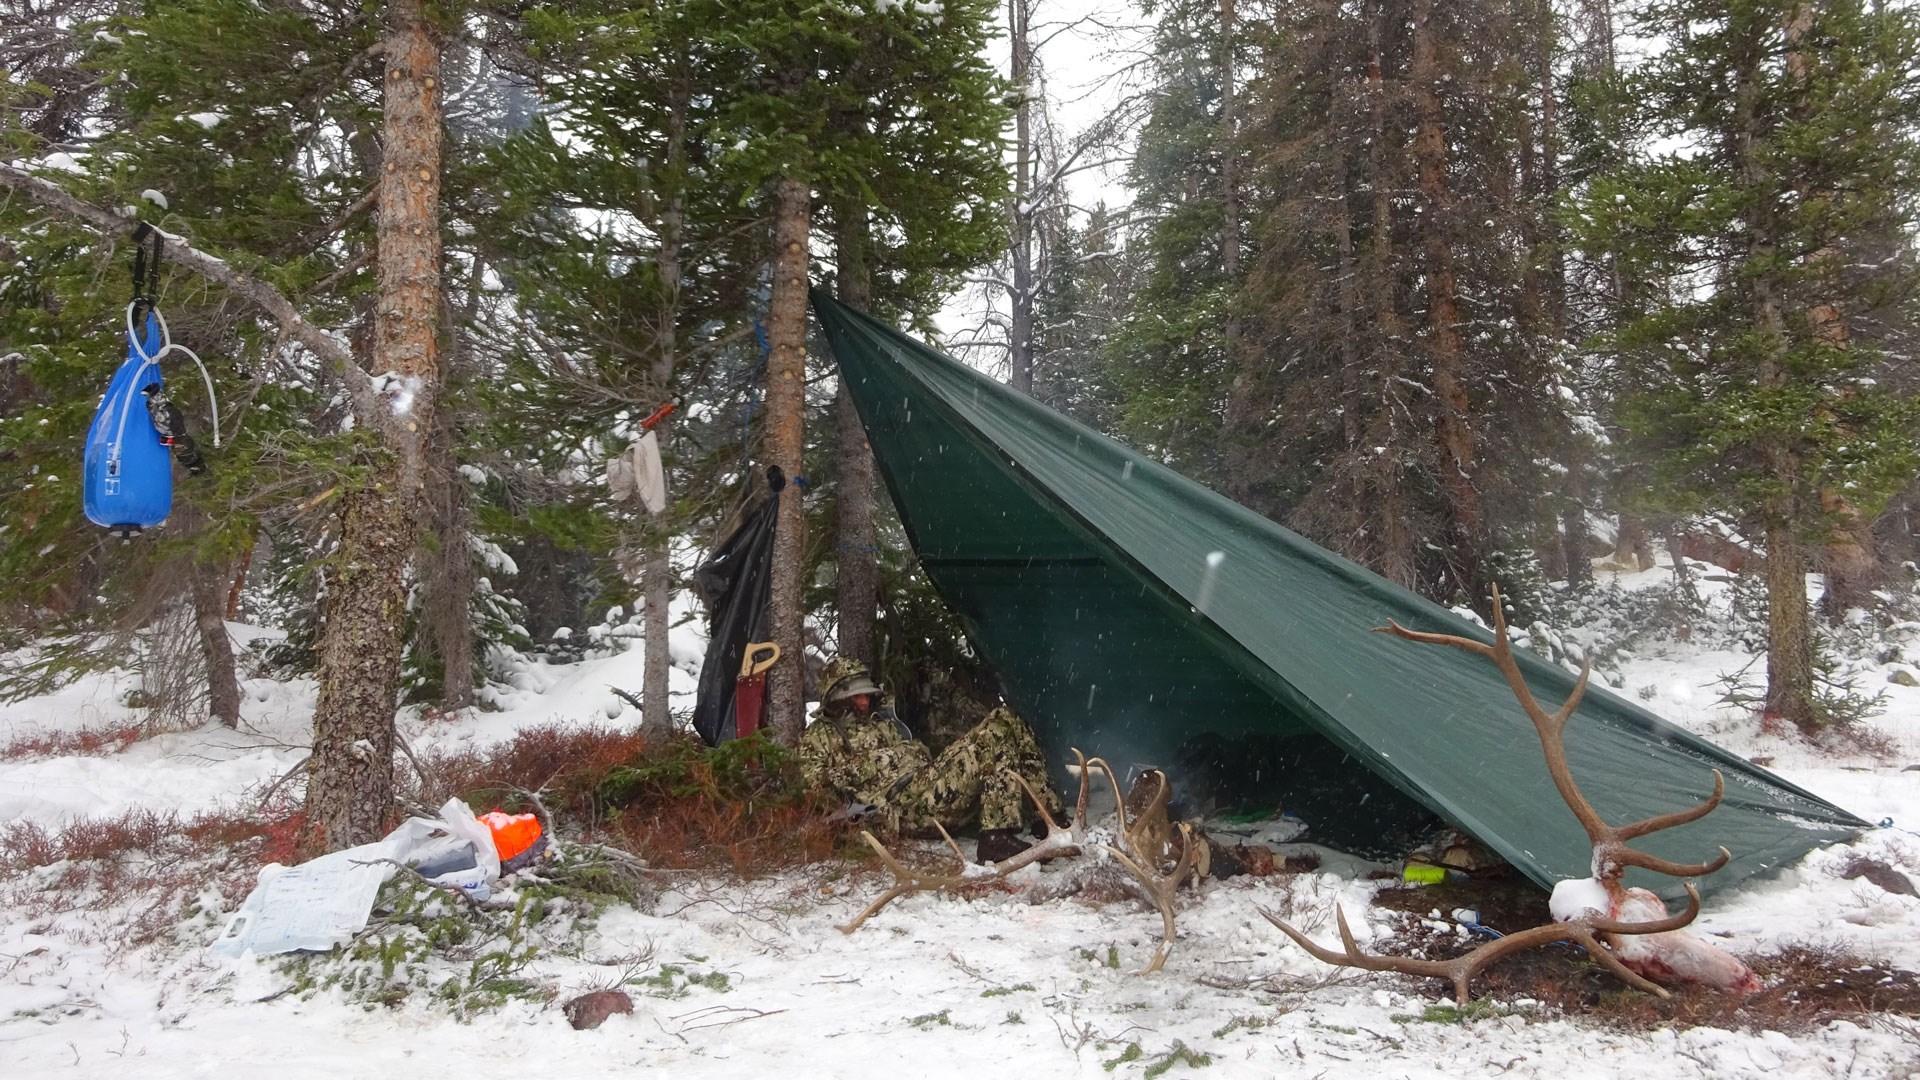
1803 986
144 870
741 807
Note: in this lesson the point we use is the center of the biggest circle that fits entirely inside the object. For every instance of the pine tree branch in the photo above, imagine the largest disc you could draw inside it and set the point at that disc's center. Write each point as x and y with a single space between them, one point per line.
181 252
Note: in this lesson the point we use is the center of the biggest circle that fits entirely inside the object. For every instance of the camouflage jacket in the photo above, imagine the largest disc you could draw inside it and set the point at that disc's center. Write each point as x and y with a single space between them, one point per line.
861 758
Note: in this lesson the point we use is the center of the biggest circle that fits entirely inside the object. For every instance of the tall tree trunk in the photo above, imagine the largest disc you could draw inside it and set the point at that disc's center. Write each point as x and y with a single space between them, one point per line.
1789 624
856 577
1020 342
239 583
785 444
656 597
1633 544
350 775
1574 535
656 567
446 576
1847 557
1397 561
1466 541
1789 632
209 586
1240 392
1351 415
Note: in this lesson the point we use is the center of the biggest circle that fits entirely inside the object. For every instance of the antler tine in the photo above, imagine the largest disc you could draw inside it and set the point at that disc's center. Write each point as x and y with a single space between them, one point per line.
1651 926
905 881
1080 805
1678 817
1079 823
1627 856
1119 799
1319 952
1422 636
1549 726
1586 940
958 855
1565 711
1160 890
1460 970
1052 825
1059 841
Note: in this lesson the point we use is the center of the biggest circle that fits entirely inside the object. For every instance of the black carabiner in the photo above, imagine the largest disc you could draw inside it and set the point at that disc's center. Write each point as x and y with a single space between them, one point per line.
146 273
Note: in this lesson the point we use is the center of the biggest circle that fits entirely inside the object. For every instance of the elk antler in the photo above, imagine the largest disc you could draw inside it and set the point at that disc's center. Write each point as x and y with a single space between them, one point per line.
1143 856
1058 842
1160 889
1611 855
1461 969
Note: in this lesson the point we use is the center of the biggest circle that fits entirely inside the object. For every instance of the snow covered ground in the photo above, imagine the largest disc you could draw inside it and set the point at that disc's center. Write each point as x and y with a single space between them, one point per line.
933 986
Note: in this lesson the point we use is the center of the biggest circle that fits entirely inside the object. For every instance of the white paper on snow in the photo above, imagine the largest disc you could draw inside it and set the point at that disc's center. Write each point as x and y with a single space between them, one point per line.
325 901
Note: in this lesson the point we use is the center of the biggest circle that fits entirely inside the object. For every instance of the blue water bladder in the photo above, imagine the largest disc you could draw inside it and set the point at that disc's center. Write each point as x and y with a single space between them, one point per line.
128 474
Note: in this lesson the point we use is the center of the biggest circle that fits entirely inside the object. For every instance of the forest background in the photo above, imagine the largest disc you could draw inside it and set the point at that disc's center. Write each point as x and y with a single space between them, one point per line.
1467 292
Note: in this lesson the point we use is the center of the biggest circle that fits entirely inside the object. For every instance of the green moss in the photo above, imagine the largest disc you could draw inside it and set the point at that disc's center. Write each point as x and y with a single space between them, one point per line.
1447 1013
927 1020
672 982
1177 1054
1003 991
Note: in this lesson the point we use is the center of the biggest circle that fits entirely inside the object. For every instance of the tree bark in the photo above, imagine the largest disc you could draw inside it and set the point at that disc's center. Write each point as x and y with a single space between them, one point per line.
1632 543
1789 629
1397 560
656 568
350 775
1848 558
856 577
1789 633
656 594
1466 541
446 576
1239 395
1020 343
208 584
446 569
785 446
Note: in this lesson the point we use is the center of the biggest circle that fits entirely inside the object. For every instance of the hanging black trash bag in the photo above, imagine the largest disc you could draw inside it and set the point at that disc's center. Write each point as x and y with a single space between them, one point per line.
737 583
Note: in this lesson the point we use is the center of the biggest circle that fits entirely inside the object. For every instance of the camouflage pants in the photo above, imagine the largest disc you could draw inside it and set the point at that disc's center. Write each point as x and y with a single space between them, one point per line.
972 780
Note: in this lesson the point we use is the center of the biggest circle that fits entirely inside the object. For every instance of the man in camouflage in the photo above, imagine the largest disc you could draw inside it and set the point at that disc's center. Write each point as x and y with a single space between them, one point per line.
858 749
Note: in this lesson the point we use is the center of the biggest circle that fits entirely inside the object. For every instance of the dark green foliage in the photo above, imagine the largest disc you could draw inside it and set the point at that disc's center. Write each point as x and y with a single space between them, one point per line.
233 115
1081 304
741 770
1797 170
1167 357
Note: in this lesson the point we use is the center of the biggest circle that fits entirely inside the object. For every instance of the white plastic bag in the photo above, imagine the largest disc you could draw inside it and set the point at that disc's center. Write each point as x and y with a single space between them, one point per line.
638 476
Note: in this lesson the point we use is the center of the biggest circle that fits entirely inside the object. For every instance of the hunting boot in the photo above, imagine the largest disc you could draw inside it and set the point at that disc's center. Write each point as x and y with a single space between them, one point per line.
998 844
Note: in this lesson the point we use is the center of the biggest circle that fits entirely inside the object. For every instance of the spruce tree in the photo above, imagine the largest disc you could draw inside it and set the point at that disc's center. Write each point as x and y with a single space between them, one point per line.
1176 378
1786 147
1400 380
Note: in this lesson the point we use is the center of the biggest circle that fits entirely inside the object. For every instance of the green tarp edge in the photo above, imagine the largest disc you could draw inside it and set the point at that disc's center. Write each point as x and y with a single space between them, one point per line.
1436 723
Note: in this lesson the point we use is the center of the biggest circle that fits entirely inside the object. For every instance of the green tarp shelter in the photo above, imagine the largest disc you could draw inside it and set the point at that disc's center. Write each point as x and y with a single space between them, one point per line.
1137 615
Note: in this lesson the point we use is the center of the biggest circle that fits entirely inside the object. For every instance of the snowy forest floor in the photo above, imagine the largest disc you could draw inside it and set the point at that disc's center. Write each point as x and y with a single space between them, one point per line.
735 978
